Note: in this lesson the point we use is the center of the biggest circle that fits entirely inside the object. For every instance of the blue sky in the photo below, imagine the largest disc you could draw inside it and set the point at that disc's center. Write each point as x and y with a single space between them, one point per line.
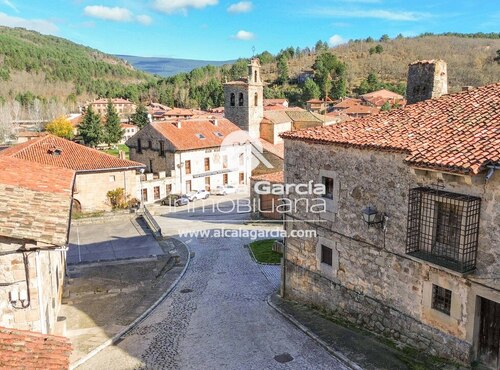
228 29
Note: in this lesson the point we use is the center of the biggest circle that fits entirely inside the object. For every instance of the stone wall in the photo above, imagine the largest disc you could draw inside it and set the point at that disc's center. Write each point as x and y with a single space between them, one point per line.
426 80
370 265
45 288
91 188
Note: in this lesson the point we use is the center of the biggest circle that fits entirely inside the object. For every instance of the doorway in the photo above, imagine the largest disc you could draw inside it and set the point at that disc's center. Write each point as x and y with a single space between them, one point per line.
489 334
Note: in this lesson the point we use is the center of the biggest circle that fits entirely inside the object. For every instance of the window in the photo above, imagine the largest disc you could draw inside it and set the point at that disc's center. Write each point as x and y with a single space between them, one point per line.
218 134
156 193
224 161
242 178
242 159
233 99
326 255
139 146
145 195
255 76
200 136
151 165
256 99
240 100
168 188
443 228
207 164
224 179
207 183
162 149
188 186
328 183
188 167
441 299
150 144
112 178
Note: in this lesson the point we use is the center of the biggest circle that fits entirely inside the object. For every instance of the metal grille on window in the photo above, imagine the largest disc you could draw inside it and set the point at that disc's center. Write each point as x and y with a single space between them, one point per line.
441 299
443 228
326 255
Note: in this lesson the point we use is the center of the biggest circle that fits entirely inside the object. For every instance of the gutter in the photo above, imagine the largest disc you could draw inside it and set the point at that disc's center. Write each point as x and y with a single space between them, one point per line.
491 171
111 169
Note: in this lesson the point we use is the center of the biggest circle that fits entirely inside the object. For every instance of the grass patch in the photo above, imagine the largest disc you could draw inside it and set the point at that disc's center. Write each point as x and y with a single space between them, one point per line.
263 252
80 215
121 147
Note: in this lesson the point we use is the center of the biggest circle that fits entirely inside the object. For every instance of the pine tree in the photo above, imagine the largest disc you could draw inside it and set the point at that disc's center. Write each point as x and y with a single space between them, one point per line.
91 128
112 131
140 117
282 69
310 90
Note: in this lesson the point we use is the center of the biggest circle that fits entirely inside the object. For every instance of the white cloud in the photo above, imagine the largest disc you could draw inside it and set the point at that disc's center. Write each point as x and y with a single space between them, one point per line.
40 25
335 40
244 35
11 5
116 14
144 19
241 7
170 6
378 14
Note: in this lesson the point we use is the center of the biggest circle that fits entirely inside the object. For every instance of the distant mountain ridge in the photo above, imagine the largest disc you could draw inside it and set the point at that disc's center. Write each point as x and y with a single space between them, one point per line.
168 66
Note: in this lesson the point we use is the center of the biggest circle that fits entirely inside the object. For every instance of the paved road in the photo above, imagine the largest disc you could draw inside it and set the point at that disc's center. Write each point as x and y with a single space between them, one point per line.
217 318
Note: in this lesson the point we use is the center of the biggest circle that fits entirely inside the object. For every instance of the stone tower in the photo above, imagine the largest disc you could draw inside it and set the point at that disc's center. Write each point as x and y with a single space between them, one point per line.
427 79
244 100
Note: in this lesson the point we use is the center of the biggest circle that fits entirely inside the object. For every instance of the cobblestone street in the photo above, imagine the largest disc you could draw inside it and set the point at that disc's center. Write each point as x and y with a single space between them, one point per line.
217 318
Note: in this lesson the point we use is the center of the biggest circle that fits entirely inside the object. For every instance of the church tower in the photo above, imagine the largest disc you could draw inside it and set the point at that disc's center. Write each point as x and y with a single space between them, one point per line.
244 100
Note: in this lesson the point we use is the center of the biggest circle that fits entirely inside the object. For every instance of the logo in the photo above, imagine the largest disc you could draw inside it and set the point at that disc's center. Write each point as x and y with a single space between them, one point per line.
231 146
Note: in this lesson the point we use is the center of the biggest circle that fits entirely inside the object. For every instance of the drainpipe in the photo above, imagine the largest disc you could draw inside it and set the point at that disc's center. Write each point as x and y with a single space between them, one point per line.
39 284
491 171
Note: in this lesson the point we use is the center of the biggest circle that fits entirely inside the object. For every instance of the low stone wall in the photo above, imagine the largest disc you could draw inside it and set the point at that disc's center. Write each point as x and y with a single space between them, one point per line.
105 217
311 288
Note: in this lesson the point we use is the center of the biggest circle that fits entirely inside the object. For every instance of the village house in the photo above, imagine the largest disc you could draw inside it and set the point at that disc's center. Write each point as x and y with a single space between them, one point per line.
185 155
35 209
380 97
244 105
407 243
129 130
125 108
96 172
275 103
319 105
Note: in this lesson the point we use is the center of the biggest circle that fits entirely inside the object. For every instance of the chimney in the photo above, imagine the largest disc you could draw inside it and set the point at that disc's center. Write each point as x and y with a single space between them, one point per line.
177 124
121 154
427 79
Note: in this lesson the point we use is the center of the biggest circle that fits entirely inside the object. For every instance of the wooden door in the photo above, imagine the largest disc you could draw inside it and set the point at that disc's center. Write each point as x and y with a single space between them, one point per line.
489 334
268 205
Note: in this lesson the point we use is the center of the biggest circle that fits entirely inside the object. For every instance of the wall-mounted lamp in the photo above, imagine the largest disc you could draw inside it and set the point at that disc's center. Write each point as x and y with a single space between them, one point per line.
372 217
19 299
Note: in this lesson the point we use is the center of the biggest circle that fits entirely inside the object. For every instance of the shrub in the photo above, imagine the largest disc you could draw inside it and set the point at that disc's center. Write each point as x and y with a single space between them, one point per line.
117 198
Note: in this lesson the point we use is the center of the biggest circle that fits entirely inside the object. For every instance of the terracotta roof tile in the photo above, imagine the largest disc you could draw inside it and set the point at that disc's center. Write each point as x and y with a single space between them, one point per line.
21 349
72 155
456 133
277 149
185 137
385 94
35 201
274 177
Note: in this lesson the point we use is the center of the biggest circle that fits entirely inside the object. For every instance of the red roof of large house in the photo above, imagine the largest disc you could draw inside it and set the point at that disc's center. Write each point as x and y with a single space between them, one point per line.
113 101
35 201
187 136
273 177
22 349
55 151
386 94
454 133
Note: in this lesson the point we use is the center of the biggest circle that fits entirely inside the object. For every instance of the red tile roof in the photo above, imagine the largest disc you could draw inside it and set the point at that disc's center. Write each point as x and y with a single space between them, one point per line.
347 102
274 177
35 201
30 134
275 102
21 349
455 133
360 109
386 94
114 101
74 156
185 137
277 149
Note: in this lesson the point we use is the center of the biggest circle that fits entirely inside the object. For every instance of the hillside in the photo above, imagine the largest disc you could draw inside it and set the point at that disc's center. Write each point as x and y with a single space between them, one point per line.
168 66
33 64
470 60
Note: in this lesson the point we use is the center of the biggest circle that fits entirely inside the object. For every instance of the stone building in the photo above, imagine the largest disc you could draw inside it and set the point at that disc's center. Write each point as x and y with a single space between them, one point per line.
96 172
427 79
407 238
244 100
186 155
125 108
35 208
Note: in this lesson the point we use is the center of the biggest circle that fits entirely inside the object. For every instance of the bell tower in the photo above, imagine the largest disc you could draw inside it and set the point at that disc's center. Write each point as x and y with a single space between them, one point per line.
244 100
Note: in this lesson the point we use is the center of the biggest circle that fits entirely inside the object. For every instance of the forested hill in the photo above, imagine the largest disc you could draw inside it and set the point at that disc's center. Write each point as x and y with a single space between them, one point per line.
49 66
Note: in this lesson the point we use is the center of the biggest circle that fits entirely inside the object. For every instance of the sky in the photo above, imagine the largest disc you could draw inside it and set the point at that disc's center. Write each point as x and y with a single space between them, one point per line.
229 29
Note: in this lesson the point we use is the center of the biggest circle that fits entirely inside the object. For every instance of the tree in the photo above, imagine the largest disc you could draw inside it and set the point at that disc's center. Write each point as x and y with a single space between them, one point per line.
386 106
329 72
265 57
113 131
310 90
497 58
321 46
282 69
399 36
384 38
140 117
91 128
60 127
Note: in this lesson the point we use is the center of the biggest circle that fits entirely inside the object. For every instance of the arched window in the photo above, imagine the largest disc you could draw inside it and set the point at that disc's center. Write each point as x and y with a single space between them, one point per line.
233 99
240 101
256 99
255 76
